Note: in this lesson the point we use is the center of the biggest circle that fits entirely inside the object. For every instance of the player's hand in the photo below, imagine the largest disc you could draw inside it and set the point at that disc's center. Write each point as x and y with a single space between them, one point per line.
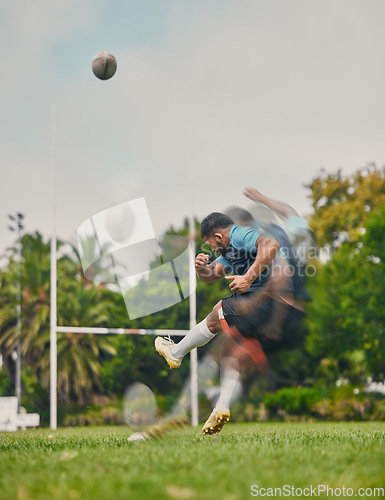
239 284
252 193
201 261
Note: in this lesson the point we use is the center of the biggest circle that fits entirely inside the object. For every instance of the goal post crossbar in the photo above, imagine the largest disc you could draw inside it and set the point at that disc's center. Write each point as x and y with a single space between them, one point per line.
119 331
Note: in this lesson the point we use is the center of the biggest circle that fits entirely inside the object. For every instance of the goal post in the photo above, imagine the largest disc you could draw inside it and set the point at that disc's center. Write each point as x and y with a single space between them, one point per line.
119 331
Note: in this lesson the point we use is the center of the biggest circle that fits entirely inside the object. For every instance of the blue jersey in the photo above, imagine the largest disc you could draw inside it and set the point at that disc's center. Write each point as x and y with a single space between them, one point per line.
241 254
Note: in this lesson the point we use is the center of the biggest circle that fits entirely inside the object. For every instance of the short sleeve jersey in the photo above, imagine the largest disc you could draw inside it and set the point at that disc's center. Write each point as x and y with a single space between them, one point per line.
241 254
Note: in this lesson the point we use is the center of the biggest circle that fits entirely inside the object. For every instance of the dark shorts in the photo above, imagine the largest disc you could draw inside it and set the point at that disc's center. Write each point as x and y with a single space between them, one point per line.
270 321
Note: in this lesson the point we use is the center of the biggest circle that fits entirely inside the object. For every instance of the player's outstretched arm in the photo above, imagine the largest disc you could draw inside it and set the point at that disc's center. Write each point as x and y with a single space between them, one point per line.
282 210
208 273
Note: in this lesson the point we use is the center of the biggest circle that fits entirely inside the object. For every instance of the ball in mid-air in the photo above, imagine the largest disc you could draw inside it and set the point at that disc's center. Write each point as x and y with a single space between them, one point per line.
104 65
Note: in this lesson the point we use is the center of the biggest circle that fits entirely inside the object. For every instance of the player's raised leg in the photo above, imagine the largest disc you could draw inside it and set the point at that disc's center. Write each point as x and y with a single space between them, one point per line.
198 336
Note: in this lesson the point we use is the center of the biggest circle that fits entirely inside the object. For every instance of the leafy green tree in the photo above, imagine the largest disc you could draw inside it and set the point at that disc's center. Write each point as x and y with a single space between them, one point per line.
79 303
35 272
346 319
347 315
342 204
373 252
5 383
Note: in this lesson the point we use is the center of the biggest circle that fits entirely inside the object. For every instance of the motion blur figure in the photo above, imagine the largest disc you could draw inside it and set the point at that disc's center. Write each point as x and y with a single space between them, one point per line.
258 315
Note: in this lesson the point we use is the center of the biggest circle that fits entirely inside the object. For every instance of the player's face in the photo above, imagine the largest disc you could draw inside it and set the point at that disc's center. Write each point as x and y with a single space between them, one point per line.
218 243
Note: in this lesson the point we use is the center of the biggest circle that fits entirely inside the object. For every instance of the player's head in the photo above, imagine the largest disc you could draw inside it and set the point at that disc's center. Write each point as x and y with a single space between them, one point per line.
215 229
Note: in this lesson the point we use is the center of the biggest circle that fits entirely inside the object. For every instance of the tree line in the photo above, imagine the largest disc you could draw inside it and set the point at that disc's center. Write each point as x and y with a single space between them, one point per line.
343 335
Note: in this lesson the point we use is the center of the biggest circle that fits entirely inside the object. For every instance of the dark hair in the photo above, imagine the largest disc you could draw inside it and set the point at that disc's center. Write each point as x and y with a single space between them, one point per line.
213 221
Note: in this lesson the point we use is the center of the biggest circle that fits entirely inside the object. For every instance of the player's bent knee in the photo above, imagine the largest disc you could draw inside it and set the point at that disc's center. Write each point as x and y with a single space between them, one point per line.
213 323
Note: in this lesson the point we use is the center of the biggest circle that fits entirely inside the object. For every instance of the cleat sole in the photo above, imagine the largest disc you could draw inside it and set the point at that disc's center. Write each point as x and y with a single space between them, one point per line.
216 428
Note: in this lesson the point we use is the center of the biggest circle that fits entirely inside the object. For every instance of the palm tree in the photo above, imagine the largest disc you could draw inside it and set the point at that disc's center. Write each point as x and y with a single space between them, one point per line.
35 268
80 356
79 303
9 333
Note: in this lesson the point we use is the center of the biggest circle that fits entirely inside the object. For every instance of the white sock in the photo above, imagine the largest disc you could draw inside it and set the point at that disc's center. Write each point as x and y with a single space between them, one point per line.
196 337
231 388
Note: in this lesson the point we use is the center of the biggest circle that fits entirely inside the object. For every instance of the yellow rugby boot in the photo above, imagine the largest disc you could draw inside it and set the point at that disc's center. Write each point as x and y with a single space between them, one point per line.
163 346
216 421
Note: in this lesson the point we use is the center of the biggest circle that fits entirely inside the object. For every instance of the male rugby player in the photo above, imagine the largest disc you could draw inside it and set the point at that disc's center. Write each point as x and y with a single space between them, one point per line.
249 254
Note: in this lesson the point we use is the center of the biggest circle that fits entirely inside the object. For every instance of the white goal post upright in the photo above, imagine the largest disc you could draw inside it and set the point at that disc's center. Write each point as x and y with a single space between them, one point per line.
53 287
53 340
193 321
192 301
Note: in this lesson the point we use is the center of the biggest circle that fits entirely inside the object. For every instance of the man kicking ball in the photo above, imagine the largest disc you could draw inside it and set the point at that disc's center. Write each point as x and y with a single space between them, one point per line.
249 254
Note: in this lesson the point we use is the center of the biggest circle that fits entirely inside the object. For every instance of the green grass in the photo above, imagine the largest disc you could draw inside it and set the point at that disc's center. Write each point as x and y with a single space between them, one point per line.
99 463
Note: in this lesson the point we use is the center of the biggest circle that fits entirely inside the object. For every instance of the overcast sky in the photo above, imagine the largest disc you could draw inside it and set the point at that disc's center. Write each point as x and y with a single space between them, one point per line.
210 96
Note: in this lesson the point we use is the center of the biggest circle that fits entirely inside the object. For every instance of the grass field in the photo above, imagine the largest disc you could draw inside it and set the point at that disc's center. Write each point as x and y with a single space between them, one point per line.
99 463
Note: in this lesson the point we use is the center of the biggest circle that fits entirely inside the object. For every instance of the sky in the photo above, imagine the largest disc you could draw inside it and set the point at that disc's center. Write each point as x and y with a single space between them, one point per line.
210 96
